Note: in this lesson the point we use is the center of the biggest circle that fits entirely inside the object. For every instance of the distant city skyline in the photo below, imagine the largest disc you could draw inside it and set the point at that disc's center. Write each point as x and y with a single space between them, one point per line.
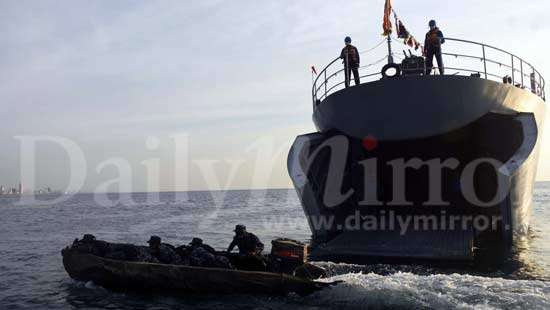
19 189
11 190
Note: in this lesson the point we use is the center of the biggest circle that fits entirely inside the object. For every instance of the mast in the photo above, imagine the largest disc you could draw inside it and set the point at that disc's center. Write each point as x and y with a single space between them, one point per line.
390 53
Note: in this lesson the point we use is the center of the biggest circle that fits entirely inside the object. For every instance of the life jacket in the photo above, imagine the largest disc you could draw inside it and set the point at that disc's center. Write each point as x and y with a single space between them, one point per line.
352 56
432 38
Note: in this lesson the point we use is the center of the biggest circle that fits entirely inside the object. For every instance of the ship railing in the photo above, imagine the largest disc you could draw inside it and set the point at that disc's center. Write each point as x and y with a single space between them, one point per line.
494 63
460 57
332 78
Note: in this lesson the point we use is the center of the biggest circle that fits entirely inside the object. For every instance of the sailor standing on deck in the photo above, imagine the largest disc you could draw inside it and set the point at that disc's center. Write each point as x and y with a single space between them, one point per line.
432 47
351 59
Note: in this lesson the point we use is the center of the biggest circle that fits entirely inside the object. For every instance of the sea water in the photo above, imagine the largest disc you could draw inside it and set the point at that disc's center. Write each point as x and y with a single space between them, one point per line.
33 234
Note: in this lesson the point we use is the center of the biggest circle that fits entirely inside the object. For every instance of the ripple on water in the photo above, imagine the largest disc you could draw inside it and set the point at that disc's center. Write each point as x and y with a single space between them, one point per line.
32 275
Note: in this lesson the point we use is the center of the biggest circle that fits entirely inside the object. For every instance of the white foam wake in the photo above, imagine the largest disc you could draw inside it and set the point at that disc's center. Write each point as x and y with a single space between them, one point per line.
407 290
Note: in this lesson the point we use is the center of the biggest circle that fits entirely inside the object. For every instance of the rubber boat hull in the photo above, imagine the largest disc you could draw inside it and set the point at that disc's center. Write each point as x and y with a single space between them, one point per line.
122 275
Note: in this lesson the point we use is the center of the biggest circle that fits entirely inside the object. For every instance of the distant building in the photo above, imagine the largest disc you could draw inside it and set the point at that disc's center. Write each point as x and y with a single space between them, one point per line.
20 191
2 190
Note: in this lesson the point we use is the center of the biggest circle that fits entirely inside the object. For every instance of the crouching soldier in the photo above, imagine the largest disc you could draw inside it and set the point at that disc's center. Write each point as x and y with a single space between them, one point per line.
247 243
198 243
90 245
162 253
250 250
203 255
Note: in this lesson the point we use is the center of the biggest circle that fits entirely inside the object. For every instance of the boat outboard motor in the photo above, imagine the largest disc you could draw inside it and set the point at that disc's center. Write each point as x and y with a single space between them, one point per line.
413 65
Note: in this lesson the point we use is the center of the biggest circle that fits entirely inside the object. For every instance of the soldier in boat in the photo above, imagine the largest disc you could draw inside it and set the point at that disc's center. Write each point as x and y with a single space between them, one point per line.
250 250
90 245
199 243
199 254
163 253
128 252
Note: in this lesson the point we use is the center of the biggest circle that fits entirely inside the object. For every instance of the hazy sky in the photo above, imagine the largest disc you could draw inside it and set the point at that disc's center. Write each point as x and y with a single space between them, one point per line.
119 78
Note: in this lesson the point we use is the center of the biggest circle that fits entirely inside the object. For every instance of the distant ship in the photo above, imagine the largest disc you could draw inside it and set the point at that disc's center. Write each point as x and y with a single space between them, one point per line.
430 149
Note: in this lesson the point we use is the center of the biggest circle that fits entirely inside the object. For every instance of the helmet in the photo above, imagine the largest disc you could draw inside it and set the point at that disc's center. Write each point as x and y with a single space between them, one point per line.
196 241
154 240
347 40
432 23
240 227
88 238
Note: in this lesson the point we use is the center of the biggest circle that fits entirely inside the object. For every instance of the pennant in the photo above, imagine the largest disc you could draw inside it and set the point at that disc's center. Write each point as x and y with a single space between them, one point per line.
387 26
313 70
403 33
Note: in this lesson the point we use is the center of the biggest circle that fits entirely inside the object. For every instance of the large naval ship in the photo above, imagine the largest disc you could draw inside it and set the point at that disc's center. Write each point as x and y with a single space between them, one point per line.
411 165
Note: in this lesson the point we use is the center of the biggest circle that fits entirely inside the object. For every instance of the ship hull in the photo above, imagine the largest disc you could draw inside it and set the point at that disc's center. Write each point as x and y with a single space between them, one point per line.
419 167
